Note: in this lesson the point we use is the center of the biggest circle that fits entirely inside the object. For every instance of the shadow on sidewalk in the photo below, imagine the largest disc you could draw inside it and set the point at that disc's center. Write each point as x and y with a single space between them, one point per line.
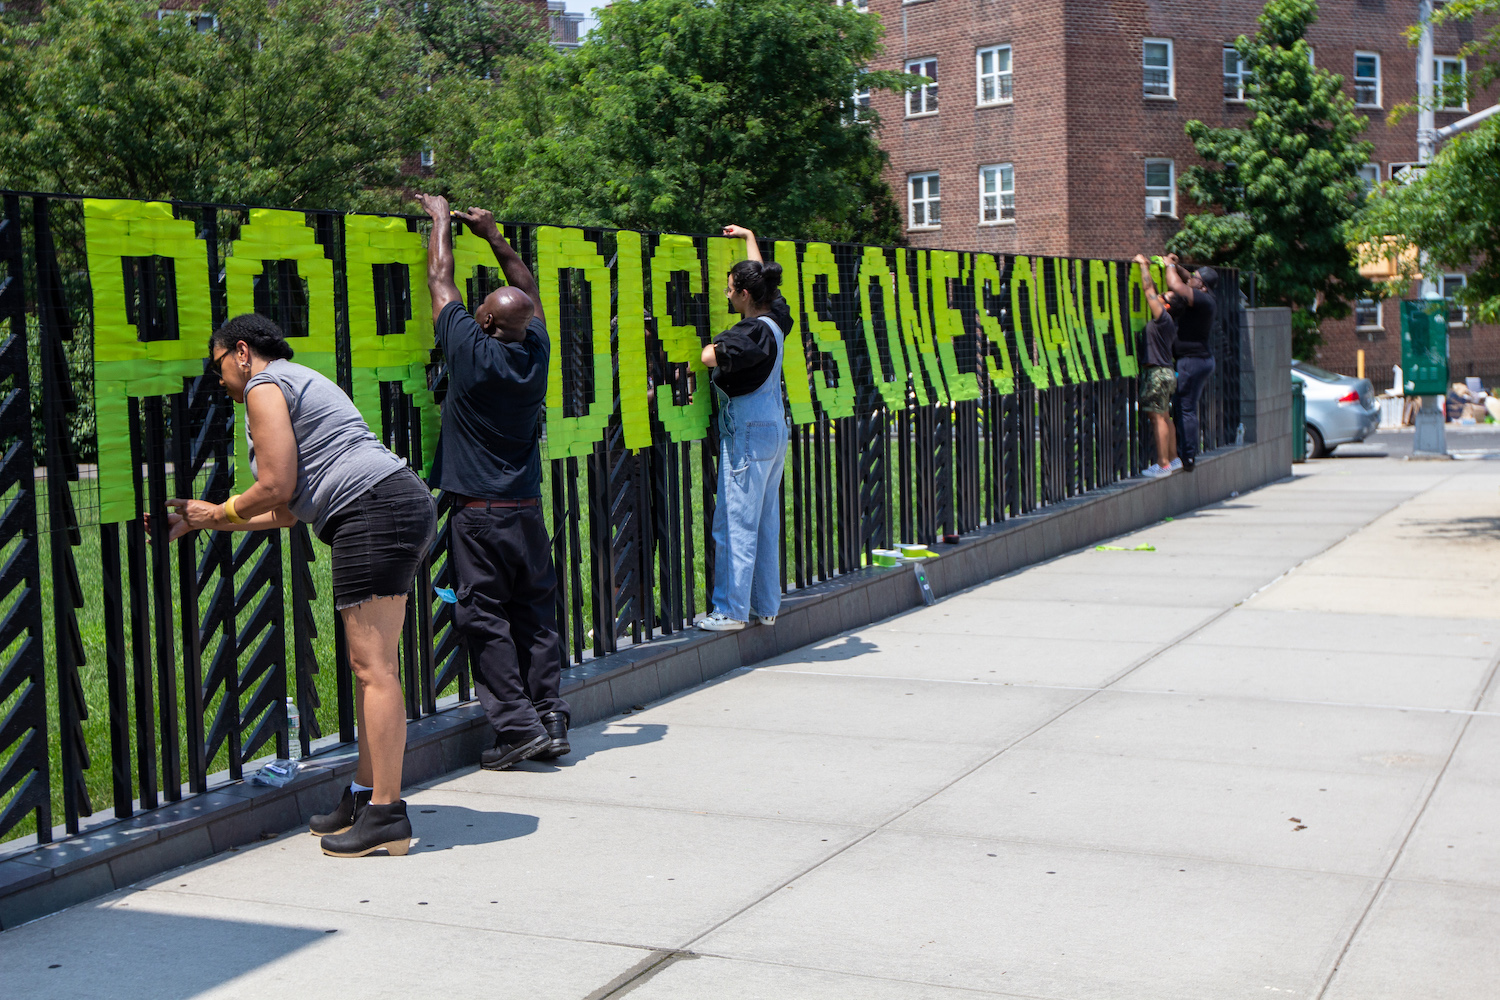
438 827
590 740
849 648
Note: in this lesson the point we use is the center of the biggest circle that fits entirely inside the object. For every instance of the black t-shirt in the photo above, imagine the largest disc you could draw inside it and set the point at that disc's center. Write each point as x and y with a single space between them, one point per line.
1195 325
747 351
488 447
1161 336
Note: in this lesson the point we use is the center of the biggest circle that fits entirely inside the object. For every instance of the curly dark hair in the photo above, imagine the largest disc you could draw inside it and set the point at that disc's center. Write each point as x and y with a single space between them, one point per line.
264 337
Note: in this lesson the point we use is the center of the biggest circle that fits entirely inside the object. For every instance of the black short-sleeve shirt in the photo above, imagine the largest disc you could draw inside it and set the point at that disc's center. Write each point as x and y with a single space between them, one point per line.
1195 325
746 352
1161 336
489 445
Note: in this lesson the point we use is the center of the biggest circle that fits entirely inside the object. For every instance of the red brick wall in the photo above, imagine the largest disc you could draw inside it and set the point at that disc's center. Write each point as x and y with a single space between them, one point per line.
1079 129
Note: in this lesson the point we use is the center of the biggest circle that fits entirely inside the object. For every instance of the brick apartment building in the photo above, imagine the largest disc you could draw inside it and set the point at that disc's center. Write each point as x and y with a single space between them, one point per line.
1060 127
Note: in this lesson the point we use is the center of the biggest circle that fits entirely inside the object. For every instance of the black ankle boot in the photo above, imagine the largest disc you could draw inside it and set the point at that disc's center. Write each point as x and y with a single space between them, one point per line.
342 817
378 825
556 724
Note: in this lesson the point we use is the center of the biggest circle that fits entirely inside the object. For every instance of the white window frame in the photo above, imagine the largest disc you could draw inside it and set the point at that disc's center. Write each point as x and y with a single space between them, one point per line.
1002 80
1370 182
1437 80
859 99
1379 308
1003 171
427 157
1171 94
1463 310
1379 95
925 90
1241 75
927 201
1171 187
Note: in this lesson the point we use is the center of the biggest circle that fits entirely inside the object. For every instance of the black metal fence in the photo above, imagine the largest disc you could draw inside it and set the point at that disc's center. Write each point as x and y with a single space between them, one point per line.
931 393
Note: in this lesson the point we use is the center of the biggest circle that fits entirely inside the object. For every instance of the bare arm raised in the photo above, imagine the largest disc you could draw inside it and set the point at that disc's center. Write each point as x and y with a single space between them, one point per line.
517 274
1177 280
1148 287
752 248
440 253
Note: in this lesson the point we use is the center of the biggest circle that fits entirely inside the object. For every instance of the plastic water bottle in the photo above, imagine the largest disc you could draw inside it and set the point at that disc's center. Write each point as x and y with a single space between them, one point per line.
1239 436
294 728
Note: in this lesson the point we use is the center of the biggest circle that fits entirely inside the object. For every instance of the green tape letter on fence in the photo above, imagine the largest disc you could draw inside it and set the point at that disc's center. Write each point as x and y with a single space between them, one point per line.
948 275
682 343
794 371
556 250
392 357
873 270
916 335
1101 290
1071 291
124 365
1026 317
987 283
1067 369
1119 312
272 235
836 400
630 313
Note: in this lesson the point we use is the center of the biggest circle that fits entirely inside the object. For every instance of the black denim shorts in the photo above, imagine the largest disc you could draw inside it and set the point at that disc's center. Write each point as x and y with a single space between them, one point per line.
378 539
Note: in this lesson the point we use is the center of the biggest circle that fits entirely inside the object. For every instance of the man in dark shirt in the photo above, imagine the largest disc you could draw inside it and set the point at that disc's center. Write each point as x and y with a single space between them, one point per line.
1195 359
489 463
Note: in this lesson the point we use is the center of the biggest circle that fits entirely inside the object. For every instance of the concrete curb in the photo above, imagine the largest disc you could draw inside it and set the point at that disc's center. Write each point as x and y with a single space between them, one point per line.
36 880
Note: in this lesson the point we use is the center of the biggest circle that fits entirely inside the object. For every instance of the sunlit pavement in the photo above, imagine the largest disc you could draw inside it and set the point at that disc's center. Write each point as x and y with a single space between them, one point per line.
1262 760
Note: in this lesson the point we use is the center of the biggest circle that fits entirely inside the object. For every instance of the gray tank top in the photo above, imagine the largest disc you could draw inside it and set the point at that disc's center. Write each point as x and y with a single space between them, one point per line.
338 457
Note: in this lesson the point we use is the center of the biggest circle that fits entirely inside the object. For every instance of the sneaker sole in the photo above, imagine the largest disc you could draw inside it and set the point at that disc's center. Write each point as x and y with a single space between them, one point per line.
526 752
722 628
396 849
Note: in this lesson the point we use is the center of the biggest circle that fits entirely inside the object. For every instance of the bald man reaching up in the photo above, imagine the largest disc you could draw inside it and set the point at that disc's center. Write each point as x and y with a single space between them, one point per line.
489 463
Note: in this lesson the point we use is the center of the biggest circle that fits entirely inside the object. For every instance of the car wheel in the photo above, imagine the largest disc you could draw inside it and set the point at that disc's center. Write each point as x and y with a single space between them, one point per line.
1314 442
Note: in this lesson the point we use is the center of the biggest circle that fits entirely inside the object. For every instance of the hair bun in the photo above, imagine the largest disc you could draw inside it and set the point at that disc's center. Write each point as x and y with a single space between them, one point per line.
772 274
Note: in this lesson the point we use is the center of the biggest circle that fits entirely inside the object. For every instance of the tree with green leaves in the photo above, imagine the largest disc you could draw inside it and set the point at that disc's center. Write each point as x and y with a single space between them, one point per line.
1448 216
689 114
1287 184
297 103
474 36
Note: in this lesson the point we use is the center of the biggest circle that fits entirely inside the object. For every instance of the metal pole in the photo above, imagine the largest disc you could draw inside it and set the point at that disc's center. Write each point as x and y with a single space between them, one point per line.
1430 437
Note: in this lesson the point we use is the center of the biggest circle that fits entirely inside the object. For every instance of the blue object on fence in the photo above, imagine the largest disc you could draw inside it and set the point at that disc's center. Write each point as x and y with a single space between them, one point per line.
445 595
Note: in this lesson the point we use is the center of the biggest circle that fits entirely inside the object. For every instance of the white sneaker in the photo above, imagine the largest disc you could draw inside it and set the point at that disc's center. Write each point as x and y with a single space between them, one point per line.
1176 465
1155 472
761 619
718 622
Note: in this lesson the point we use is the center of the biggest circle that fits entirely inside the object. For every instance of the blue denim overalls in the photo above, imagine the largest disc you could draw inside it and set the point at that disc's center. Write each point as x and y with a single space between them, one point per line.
747 518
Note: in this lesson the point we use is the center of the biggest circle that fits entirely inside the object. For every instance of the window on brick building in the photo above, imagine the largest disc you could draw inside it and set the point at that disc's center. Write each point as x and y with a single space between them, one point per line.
923 202
1367 314
997 194
427 157
1161 191
1450 85
1156 67
1458 315
922 100
1236 75
992 66
1367 79
859 105
1369 175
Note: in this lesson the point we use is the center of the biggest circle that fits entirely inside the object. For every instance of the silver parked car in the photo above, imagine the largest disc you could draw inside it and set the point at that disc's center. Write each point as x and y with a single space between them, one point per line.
1340 409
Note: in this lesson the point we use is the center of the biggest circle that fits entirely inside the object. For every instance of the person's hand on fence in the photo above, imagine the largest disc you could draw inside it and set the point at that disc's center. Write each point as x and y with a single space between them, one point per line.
481 221
176 526
739 231
196 515
1142 259
435 205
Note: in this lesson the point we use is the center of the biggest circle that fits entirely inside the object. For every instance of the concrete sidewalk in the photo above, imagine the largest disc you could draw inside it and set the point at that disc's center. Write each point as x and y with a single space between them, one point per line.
1263 760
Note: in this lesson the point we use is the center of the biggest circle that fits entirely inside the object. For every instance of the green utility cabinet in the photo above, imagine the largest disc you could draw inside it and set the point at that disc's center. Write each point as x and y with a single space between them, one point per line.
1424 347
1299 423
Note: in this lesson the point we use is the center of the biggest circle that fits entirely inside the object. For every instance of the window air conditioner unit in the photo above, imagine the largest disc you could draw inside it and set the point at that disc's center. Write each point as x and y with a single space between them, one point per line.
1159 207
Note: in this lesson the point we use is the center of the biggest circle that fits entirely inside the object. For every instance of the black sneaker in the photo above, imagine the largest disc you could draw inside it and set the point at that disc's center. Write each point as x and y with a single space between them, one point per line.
506 755
557 736
1188 463
343 815
379 826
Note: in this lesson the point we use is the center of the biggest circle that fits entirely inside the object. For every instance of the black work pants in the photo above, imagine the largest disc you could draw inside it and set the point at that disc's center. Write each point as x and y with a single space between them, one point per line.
1192 379
507 615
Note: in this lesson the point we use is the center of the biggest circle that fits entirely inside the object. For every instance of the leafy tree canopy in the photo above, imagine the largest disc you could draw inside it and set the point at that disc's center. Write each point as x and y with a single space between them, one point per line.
1288 183
1448 217
304 103
689 114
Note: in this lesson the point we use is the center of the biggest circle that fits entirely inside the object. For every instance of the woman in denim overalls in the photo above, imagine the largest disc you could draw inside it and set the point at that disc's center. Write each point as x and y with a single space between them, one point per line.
746 363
